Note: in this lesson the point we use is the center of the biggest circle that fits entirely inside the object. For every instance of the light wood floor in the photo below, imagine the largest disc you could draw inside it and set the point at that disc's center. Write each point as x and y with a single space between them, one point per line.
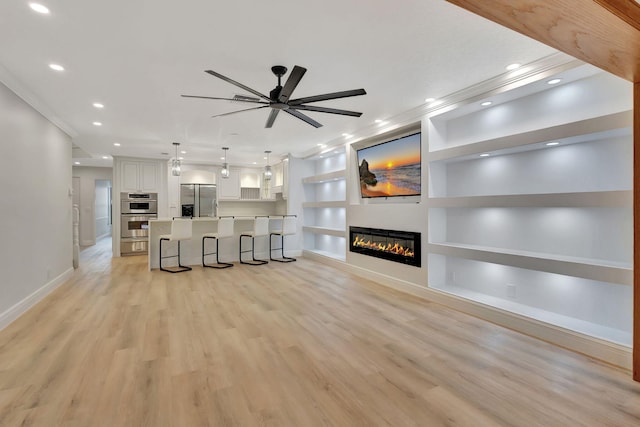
298 344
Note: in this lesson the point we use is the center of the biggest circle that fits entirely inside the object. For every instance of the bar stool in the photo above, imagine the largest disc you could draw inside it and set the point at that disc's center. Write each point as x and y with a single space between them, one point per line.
225 229
180 230
260 228
288 228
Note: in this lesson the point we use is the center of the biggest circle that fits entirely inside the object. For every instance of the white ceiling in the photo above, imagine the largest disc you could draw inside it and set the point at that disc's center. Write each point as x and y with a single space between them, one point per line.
137 58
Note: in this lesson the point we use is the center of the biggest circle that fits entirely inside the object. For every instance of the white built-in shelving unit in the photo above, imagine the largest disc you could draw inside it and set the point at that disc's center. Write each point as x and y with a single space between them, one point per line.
324 206
542 231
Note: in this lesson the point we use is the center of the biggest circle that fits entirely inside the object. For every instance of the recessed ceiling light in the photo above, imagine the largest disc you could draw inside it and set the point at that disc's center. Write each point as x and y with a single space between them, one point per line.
105 157
39 8
512 67
180 158
97 124
76 163
429 100
117 144
551 144
56 67
486 103
98 105
484 155
554 81
255 163
222 158
183 152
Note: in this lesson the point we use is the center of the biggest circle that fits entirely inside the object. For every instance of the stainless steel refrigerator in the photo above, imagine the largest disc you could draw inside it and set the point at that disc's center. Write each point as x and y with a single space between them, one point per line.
198 200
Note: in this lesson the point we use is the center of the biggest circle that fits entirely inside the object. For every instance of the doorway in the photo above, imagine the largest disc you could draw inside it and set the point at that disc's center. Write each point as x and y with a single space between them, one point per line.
103 209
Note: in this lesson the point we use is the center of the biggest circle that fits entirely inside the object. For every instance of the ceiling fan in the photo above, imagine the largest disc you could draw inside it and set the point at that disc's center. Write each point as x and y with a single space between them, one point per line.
278 99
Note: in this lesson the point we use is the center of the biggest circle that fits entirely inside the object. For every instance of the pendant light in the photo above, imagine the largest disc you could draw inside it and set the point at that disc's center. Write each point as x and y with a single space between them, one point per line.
225 166
175 163
267 168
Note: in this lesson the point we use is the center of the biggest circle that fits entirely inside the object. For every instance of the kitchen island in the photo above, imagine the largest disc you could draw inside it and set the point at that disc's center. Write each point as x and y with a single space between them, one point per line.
191 250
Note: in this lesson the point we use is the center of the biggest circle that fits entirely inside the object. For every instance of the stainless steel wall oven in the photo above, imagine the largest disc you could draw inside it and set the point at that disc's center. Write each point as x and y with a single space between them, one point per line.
136 210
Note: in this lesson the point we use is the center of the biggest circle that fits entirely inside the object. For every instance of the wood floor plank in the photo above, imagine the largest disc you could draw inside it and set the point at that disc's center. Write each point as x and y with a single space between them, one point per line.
298 344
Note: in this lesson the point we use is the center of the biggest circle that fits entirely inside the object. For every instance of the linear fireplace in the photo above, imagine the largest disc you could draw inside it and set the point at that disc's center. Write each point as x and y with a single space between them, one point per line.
392 245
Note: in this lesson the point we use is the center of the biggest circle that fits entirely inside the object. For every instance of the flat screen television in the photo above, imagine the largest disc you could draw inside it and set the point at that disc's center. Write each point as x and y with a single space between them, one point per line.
391 168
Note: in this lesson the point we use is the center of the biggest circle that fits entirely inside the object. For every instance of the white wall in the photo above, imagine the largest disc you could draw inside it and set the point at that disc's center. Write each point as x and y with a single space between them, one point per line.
88 214
35 206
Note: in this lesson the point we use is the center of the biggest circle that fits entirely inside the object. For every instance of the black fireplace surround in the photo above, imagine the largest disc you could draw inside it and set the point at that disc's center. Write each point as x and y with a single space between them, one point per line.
392 245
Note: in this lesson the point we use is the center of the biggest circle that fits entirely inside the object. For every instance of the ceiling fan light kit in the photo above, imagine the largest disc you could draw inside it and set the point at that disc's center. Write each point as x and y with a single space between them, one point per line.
279 97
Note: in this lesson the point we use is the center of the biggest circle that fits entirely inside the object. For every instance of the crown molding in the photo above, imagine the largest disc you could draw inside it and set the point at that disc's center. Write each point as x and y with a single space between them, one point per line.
527 74
17 87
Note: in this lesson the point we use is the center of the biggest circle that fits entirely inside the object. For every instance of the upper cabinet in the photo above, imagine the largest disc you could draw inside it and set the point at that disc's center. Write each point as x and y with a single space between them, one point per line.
141 176
229 188
249 184
280 178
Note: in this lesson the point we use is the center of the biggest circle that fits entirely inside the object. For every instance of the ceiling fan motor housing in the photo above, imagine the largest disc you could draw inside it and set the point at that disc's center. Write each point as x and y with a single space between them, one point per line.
279 70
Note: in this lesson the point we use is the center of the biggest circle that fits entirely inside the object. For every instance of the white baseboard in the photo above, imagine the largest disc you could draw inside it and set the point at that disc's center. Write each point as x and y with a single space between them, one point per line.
12 313
606 351
87 242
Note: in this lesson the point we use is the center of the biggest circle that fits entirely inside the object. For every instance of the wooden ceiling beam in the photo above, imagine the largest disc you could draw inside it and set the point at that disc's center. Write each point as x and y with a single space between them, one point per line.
605 33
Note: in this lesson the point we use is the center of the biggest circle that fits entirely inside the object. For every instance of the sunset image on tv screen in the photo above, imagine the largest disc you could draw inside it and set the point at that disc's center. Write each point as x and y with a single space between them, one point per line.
391 168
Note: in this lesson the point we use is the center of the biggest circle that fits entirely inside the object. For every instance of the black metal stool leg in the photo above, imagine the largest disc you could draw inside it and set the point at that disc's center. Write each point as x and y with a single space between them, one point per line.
218 264
253 254
283 258
180 268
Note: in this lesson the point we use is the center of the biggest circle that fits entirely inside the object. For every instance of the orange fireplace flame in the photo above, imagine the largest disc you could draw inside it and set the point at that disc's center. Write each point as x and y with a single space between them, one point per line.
396 248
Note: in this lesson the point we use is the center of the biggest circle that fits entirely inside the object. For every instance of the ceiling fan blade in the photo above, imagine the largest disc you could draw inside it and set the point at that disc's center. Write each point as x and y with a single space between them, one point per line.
327 96
244 98
272 118
235 83
326 110
240 111
238 99
292 82
303 117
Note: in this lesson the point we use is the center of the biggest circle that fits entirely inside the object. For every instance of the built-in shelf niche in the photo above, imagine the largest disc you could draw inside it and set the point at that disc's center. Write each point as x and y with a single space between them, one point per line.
324 206
530 206
589 233
536 167
595 308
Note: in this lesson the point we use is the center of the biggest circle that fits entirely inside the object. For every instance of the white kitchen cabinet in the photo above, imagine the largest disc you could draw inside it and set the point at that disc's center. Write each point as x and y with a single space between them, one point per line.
229 188
140 176
279 183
